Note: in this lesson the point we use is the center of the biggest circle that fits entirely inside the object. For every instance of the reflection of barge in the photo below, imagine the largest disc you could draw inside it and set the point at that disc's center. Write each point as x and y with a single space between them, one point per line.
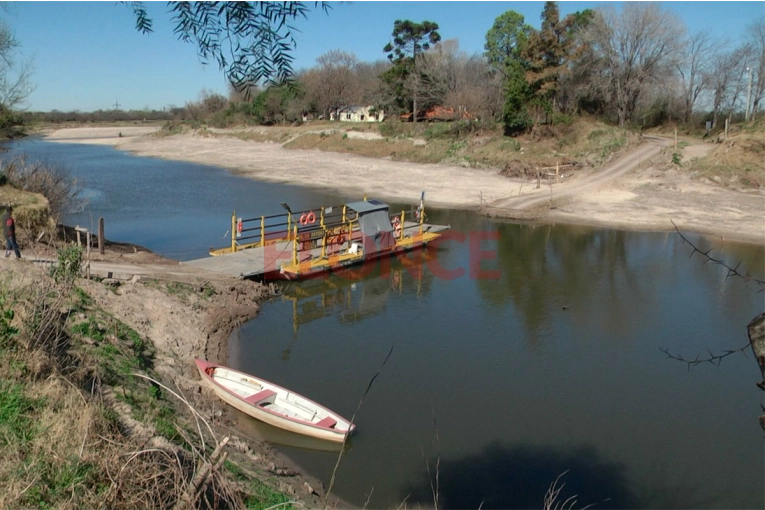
301 245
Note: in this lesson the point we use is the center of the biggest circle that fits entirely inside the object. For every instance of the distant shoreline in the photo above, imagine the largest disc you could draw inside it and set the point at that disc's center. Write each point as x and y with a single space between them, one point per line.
646 199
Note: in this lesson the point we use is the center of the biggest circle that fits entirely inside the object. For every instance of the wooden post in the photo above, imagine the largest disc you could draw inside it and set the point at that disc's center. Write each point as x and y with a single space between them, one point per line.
233 231
101 240
726 129
87 267
675 138
756 330
77 229
557 174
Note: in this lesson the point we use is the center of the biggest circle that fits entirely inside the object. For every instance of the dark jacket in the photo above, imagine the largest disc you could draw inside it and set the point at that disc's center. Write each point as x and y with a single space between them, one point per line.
9 226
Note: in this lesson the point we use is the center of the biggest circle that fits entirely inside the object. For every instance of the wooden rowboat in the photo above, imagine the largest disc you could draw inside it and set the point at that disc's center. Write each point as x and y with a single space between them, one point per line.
273 404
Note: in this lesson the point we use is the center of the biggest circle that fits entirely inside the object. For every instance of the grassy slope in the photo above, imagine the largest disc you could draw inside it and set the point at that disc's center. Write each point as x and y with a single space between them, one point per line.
77 428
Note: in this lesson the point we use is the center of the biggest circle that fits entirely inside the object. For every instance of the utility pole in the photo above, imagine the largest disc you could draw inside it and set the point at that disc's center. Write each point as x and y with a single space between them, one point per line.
748 94
117 104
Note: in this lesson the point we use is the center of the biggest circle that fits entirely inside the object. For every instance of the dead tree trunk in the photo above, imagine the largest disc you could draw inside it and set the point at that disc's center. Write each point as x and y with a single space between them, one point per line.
756 330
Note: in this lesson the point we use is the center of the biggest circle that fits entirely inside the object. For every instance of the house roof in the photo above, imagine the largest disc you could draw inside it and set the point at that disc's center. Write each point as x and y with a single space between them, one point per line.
354 109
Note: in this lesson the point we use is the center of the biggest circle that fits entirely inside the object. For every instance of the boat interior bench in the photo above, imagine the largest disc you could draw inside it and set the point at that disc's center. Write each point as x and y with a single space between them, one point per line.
328 422
259 397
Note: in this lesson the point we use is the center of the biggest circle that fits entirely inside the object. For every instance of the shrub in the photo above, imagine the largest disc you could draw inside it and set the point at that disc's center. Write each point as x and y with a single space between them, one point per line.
50 180
387 129
69 264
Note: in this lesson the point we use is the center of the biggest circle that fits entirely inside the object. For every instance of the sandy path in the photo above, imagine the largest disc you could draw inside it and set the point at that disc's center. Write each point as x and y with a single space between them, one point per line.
621 166
628 193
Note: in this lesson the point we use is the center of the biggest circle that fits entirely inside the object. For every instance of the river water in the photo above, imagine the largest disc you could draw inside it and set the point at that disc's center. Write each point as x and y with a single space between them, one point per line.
515 353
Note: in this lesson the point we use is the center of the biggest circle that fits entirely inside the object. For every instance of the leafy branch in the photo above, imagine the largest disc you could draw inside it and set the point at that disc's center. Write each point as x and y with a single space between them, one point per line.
250 41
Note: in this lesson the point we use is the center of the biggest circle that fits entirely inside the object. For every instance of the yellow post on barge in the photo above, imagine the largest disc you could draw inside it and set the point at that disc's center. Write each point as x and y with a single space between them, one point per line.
299 245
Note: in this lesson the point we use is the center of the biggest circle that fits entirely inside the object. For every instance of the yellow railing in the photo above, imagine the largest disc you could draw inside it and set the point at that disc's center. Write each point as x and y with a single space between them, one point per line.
292 227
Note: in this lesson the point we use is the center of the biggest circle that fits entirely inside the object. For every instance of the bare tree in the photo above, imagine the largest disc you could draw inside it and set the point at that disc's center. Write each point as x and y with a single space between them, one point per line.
371 88
736 99
466 83
720 77
756 37
693 67
335 80
15 76
632 50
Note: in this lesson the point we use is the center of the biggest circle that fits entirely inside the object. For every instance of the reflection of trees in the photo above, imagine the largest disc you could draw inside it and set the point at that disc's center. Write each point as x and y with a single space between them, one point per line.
612 280
544 268
519 476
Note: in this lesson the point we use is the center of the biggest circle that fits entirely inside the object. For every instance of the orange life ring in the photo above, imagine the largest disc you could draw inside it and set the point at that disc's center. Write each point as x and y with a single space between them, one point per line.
303 218
397 226
311 219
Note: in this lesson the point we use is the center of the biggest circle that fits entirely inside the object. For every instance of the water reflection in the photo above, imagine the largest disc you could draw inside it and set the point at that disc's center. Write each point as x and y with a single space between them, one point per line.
519 476
562 349
257 430
352 297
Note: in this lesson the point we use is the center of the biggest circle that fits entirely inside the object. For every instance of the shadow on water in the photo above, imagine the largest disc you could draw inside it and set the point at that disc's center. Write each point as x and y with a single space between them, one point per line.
519 476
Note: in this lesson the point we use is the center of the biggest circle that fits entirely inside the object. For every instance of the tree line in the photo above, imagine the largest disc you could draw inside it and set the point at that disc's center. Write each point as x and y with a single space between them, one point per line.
638 67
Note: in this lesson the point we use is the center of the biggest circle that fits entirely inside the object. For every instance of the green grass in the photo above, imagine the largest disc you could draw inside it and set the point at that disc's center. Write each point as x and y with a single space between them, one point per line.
17 425
90 329
235 470
83 300
7 330
262 496
57 484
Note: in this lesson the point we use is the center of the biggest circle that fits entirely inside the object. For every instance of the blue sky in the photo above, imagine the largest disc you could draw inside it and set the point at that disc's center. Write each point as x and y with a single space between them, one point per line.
88 55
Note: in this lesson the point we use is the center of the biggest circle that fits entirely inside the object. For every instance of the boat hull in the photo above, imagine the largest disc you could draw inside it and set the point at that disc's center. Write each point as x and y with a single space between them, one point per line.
296 424
312 270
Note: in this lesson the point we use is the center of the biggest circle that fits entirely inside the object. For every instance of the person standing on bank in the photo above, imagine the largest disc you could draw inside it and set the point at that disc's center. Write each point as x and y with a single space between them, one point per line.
9 230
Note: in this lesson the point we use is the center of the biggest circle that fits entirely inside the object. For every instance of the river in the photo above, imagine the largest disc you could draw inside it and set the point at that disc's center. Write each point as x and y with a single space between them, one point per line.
518 352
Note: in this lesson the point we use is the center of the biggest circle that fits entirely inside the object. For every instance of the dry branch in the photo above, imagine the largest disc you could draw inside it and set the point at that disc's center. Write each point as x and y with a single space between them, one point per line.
353 419
732 271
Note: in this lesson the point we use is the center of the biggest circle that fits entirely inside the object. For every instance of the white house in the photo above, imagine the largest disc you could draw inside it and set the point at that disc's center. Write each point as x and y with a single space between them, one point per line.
358 114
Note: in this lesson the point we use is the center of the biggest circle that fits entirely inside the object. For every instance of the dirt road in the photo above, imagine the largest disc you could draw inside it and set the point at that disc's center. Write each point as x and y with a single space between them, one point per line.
650 147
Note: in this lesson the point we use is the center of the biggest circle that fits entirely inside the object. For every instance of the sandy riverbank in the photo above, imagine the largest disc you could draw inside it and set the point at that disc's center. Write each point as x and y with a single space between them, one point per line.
645 198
